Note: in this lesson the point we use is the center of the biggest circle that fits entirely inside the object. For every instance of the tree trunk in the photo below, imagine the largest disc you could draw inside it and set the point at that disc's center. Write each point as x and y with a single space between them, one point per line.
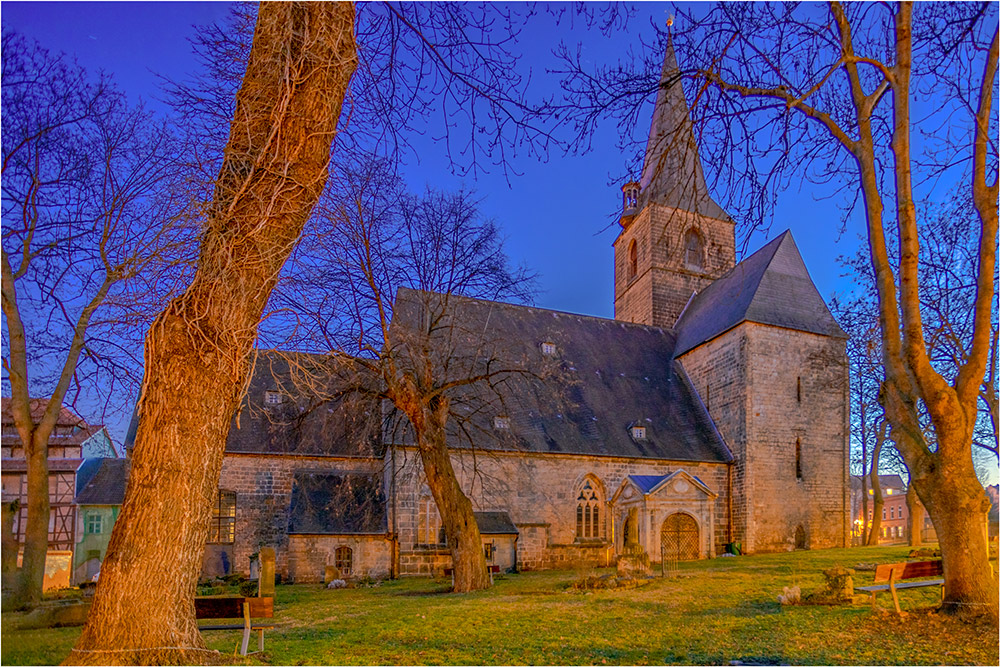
958 507
31 575
460 527
915 529
877 501
197 350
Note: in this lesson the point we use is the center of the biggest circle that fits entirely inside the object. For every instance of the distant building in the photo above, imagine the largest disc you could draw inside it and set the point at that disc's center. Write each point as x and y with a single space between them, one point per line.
895 513
70 436
99 497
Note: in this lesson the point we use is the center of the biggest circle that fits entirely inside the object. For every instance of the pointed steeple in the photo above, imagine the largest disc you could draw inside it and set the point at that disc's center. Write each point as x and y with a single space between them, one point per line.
671 172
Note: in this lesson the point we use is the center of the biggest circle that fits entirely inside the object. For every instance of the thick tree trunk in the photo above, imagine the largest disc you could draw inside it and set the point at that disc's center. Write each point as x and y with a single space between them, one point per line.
958 507
275 166
915 529
31 575
460 527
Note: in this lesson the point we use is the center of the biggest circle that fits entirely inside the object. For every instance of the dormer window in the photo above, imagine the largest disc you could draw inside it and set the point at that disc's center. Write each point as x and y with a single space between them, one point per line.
501 423
272 397
638 432
549 349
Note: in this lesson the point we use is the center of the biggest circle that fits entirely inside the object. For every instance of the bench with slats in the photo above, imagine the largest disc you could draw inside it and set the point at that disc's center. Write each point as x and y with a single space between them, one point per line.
898 572
245 608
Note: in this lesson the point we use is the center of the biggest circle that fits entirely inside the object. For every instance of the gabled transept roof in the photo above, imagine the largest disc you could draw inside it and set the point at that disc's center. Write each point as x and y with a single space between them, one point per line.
772 286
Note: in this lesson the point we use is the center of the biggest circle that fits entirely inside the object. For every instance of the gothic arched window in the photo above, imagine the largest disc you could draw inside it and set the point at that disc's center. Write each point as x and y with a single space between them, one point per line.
633 260
694 250
588 511
428 522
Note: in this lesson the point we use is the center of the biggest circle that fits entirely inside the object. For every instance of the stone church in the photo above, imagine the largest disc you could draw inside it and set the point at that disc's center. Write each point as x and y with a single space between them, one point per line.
712 410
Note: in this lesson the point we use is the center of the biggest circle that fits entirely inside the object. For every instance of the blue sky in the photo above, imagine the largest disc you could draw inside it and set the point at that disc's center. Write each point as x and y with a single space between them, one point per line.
559 215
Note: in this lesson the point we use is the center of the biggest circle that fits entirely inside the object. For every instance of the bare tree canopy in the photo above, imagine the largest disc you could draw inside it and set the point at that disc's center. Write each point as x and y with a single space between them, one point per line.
90 223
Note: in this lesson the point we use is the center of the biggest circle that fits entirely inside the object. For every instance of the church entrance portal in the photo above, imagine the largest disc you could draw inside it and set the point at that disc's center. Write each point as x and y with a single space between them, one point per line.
679 538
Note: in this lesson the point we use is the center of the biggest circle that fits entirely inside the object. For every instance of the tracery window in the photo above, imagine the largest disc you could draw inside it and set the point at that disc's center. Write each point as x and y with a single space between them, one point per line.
223 528
428 522
694 250
588 511
343 560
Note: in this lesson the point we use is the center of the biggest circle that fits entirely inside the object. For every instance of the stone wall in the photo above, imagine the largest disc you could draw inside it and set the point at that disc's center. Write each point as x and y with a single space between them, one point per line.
263 486
663 282
308 556
539 493
766 388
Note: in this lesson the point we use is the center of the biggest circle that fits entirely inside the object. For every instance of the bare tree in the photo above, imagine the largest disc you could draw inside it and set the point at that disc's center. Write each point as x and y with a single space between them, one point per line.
344 296
273 171
792 92
86 212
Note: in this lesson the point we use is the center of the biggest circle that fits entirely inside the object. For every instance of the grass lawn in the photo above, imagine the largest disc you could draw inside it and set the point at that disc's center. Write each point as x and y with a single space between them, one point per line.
715 612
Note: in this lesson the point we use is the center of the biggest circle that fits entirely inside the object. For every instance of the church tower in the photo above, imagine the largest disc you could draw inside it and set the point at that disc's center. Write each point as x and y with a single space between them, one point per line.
675 239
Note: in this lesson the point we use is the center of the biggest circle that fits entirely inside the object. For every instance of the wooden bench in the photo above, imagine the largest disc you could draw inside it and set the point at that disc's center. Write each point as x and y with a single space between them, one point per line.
237 607
897 572
490 569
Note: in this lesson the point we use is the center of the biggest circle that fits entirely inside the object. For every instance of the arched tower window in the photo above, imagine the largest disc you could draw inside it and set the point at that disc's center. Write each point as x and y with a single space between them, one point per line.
694 250
633 260
589 514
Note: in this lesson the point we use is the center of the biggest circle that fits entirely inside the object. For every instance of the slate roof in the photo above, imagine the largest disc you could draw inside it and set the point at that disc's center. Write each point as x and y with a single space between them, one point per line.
772 286
605 377
315 417
102 482
329 503
672 174
318 415
647 483
495 523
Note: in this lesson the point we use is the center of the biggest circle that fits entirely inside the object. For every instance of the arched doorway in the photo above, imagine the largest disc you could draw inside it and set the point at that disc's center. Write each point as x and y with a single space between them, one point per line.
679 537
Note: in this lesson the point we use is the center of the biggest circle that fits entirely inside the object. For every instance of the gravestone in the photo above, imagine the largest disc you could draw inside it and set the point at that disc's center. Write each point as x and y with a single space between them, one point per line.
266 584
332 573
634 561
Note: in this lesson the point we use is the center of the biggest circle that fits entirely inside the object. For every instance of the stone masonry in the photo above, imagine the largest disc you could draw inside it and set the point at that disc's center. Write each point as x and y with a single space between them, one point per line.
766 388
664 283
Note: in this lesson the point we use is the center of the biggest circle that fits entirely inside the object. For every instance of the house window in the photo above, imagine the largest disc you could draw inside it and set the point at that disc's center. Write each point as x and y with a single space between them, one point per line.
343 560
223 528
272 397
549 349
93 525
798 459
633 260
883 514
892 512
501 423
428 522
639 432
588 510
693 250
489 549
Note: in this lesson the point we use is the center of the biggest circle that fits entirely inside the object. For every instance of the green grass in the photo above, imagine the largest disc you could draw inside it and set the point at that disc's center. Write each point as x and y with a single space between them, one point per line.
715 612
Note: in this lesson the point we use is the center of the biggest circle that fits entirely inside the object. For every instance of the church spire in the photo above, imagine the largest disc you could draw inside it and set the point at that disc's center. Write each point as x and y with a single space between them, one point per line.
671 172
